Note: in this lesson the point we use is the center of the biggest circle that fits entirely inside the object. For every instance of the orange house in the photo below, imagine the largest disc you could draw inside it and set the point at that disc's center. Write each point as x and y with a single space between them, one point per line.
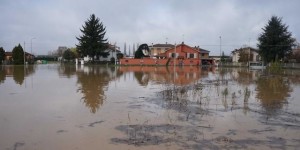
183 55
183 51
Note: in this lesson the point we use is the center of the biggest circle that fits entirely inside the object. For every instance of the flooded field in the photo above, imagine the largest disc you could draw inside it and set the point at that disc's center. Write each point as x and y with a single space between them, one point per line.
66 107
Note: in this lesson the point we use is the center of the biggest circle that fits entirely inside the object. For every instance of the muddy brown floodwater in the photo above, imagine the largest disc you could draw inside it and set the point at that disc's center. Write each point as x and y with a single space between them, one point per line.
66 107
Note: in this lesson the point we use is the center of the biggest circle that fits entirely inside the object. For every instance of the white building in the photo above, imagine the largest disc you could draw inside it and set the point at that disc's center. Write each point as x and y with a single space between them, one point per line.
112 54
251 52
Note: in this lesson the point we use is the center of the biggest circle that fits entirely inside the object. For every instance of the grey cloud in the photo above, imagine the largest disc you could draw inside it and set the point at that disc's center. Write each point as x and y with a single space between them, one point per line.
57 23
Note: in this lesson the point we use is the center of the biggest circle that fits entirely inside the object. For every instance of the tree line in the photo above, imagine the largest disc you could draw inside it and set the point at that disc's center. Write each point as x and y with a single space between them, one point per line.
18 56
275 43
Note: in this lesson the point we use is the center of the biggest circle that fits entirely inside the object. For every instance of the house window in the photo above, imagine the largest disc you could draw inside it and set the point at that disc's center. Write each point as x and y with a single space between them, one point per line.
202 55
191 55
257 58
173 55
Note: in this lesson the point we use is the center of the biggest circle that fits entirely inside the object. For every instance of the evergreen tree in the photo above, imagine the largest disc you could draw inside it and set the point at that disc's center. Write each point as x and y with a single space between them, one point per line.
2 54
276 42
244 54
68 55
125 53
92 43
223 57
133 49
18 55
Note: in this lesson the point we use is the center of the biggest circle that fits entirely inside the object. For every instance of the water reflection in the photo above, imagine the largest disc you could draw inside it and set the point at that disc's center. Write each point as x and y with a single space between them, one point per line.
148 108
273 91
2 74
178 75
142 77
93 83
67 70
18 73
245 76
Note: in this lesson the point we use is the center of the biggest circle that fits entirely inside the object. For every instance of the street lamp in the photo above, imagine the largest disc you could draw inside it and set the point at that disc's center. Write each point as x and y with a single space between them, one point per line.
220 46
24 54
31 57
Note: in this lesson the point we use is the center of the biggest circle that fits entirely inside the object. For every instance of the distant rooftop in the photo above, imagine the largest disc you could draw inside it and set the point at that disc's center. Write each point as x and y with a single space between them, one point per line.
162 45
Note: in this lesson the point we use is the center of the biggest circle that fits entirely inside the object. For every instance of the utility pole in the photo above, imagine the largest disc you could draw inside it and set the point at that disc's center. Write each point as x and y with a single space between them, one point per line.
220 49
220 46
175 56
174 69
31 56
24 53
115 54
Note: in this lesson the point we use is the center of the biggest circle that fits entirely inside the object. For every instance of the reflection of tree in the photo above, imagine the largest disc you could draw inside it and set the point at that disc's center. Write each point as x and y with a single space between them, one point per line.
223 71
272 92
67 70
29 70
245 77
142 78
2 74
94 84
19 74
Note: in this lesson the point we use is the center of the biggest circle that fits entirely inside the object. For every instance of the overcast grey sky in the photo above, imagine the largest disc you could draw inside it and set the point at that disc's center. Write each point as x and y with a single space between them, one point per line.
56 23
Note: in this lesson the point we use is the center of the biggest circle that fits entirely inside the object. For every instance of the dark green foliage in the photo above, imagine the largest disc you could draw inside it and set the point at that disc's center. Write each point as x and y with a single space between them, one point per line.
2 54
2 74
276 42
19 74
223 57
112 60
92 42
244 57
68 55
18 55
275 67
120 55
143 51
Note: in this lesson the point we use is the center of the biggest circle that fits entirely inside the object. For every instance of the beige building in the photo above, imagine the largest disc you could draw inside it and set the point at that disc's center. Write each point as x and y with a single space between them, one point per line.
157 49
252 54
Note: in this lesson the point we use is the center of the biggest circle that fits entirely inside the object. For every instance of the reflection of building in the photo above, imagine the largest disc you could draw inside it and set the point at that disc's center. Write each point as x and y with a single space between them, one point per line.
179 76
18 73
250 53
245 76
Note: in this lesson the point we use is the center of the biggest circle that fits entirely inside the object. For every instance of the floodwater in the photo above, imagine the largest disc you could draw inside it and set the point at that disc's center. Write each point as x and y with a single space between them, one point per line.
78 108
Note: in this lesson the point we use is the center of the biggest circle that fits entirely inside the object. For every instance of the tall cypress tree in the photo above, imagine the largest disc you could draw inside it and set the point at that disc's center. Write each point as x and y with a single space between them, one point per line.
18 55
2 54
92 42
276 42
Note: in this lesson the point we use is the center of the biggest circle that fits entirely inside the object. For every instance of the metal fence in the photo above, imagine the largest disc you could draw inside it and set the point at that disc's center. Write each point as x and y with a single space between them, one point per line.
291 65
